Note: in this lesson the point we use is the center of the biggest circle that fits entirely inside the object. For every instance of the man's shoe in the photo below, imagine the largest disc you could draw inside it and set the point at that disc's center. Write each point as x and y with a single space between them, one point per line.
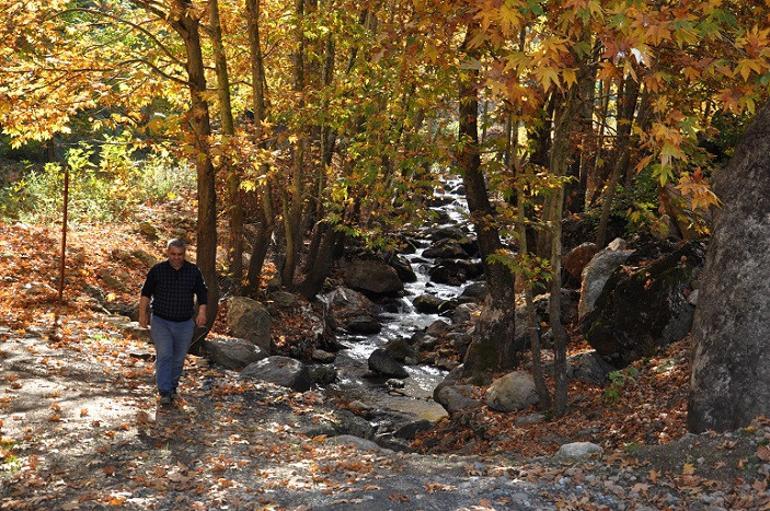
166 400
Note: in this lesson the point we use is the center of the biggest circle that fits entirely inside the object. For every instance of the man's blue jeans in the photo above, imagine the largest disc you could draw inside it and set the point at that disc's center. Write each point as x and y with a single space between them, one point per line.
172 340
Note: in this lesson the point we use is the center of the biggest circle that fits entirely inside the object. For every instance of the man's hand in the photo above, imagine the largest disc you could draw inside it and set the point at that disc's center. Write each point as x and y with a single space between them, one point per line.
144 306
200 319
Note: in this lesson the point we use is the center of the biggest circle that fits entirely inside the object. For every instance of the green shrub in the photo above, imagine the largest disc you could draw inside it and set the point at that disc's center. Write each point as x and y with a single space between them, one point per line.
104 186
618 381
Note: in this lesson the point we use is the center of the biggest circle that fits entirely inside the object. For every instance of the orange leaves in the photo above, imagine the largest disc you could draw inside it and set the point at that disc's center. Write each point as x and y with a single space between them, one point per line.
746 67
695 188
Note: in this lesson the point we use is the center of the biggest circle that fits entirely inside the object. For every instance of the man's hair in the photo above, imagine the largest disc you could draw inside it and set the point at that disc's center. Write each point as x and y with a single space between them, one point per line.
176 242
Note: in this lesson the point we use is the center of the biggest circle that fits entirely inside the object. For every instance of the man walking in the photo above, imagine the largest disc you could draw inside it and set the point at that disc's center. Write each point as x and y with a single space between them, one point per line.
171 286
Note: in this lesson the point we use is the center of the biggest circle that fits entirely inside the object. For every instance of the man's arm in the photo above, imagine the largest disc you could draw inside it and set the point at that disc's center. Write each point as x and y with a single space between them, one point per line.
202 295
144 307
200 320
144 301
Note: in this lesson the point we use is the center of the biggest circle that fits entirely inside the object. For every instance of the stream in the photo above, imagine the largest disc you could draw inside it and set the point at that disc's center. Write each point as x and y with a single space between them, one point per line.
416 397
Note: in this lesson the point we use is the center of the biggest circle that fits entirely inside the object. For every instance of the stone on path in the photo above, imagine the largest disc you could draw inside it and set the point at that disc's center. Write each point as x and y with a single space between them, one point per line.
233 353
360 443
578 450
278 370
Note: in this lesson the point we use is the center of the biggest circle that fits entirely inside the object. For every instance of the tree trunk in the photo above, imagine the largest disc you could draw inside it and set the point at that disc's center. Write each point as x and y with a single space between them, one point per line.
592 170
261 241
622 150
322 263
234 207
534 336
293 202
492 346
199 121
730 382
561 151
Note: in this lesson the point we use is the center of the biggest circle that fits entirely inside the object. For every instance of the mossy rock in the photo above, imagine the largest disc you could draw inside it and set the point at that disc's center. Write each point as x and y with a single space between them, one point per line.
642 309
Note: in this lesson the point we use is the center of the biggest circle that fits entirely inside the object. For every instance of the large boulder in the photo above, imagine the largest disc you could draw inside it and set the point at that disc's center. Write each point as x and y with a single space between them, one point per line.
347 306
541 303
403 268
284 299
475 292
401 351
427 304
250 320
283 371
464 313
598 271
446 249
233 353
381 362
568 306
730 382
457 398
364 324
447 232
589 368
514 391
373 277
455 271
645 308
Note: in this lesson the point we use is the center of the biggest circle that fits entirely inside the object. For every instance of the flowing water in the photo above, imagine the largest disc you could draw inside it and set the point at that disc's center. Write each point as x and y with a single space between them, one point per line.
355 380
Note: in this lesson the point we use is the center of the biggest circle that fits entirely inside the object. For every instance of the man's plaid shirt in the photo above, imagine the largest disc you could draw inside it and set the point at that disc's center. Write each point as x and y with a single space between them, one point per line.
172 290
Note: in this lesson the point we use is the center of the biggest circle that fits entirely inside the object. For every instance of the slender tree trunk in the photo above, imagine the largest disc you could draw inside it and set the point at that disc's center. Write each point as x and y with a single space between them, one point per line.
188 28
592 172
328 238
234 207
534 336
622 150
492 346
561 151
540 156
265 218
293 203
261 242
575 191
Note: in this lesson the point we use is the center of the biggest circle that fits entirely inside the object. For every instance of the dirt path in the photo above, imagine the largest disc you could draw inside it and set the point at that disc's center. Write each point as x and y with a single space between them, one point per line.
81 430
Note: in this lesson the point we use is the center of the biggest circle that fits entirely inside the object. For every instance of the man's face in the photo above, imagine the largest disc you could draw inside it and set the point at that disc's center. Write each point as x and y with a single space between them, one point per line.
175 256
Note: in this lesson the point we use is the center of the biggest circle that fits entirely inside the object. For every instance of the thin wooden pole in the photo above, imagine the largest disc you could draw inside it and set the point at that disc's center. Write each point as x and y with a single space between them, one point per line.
64 233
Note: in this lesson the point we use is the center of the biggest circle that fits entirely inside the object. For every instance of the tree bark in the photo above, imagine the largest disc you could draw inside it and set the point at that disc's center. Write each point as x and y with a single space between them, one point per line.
293 202
559 160
730 382
622 150
265 209
234 207
492 346
534 336
188 28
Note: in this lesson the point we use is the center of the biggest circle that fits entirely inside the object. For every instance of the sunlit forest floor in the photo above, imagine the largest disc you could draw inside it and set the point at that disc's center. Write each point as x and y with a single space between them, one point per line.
81 429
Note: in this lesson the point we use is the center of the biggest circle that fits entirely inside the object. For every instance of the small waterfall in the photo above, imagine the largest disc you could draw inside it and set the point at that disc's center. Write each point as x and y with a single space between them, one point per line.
352 363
